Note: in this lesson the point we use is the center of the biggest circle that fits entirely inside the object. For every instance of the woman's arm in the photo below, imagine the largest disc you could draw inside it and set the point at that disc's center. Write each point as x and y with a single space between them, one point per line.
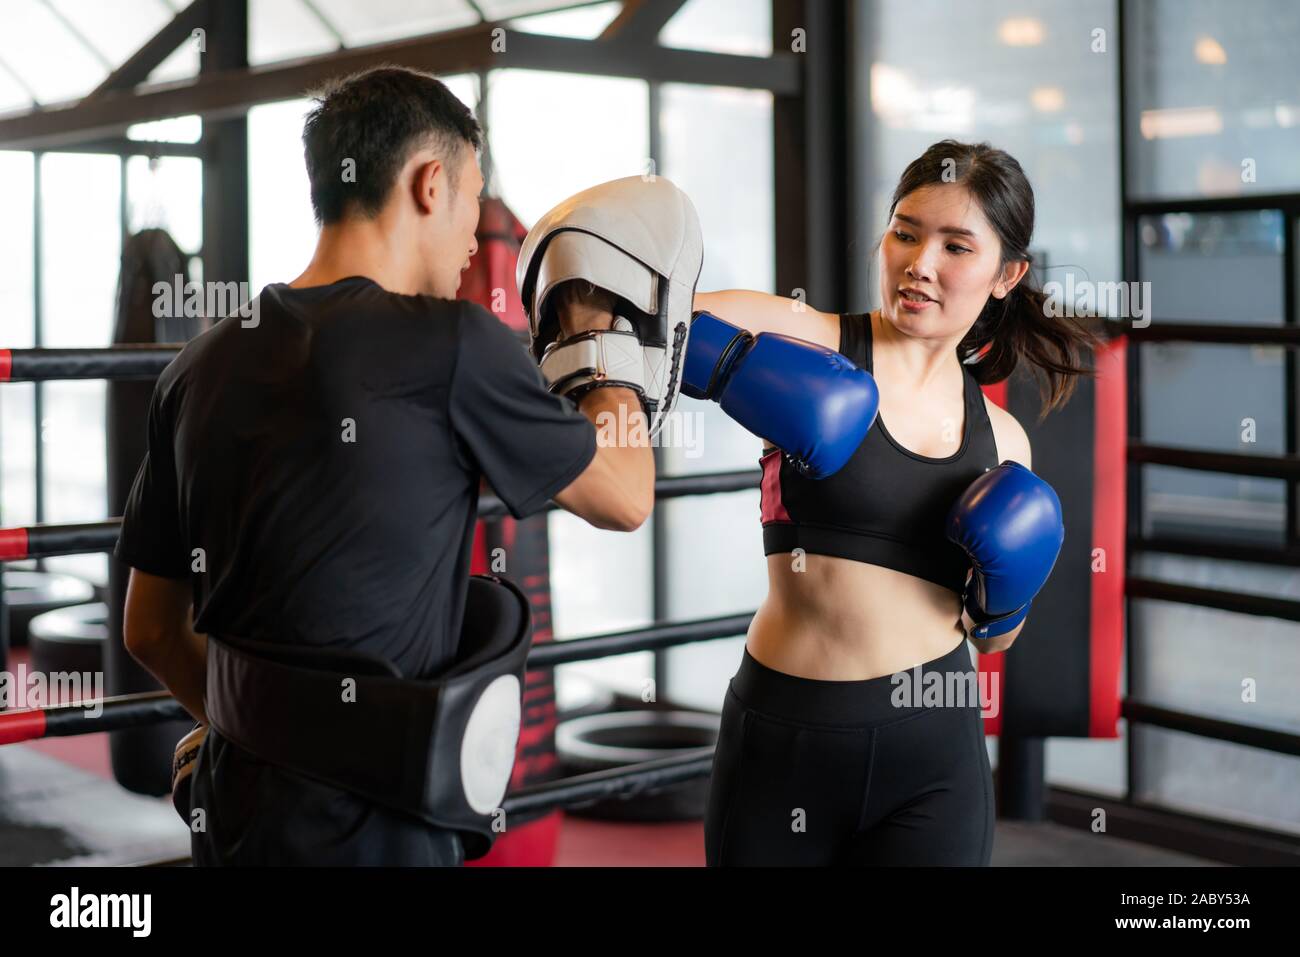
760 312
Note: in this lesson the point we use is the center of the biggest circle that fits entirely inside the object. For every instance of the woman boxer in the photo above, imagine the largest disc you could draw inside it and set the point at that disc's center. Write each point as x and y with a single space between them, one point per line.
826 757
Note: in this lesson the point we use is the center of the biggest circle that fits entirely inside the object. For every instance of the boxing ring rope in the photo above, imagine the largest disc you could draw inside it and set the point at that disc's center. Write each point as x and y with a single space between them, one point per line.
68 720
624 782
143 361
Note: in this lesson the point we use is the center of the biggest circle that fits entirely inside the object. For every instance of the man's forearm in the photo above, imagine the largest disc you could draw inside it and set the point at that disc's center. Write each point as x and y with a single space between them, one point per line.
179 661
622 427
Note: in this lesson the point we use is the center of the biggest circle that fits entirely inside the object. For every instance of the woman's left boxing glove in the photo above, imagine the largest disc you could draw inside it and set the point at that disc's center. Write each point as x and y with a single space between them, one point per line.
1009 522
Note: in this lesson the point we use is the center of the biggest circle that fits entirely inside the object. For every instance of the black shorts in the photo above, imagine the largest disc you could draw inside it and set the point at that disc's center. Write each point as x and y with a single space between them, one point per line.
851 773
259 814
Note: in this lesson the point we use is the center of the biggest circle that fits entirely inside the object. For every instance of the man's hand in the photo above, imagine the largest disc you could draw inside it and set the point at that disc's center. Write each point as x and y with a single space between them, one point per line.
582 307
186 753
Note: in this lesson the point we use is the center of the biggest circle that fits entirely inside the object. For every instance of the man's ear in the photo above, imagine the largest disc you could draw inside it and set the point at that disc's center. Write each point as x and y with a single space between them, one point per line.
1011 274
428 181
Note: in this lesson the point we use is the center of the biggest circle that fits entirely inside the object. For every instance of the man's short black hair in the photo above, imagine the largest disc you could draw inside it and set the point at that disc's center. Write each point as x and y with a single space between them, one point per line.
376 119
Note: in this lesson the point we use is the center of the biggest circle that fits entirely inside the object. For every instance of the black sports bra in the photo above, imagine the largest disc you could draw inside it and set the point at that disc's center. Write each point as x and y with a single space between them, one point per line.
887 506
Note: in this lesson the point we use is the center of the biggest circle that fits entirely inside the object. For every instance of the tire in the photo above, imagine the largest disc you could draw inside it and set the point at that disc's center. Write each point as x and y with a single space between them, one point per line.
603 741
28 594
69 639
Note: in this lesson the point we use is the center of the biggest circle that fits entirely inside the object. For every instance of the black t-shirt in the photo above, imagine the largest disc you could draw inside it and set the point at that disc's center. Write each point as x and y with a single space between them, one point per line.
327 459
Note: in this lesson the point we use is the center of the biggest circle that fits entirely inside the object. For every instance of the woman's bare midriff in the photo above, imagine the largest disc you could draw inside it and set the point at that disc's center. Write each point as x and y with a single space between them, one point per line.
843 620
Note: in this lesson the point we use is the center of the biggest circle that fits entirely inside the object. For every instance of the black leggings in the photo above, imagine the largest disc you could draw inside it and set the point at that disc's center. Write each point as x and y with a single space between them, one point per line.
850 773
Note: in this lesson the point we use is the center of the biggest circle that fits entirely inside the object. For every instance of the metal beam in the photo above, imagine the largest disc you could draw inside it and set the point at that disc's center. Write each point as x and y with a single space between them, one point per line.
1233 463
1214 838
810 144
1276 740
121 146
1134 518
38 331
1204 332
862 128
641 20
1288 555
1240 603
158 48
225 152
1287 202
779 74
231 92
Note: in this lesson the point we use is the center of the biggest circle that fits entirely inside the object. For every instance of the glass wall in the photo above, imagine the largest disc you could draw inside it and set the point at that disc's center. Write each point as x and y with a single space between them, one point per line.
17 310
1215 98
714 543
166 193
1214 106
1239 668
742 27
281 230
547 144
81 223
81 229
1242 252
1038 79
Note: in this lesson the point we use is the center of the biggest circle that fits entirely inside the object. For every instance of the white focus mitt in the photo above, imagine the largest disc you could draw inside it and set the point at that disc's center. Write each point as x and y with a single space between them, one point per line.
639 239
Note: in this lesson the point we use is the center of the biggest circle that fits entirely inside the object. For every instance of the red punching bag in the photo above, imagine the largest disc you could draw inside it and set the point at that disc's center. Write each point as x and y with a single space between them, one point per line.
1062 678
518 550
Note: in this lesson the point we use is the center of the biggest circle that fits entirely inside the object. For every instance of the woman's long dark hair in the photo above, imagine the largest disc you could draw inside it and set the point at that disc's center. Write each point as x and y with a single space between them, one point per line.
1016 327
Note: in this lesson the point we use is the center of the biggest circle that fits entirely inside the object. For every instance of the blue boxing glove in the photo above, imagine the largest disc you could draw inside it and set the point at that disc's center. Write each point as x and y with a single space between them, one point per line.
1009 523
811 402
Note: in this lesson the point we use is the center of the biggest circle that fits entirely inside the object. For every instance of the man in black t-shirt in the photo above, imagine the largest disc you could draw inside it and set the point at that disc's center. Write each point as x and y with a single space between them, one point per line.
312 475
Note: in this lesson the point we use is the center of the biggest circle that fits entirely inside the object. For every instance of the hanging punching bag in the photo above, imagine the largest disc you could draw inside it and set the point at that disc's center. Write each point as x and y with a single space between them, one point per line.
520 551
1062 678
141 757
